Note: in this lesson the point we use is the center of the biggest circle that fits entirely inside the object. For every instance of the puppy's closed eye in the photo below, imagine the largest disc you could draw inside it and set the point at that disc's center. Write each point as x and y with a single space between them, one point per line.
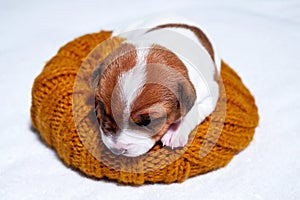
152 125
144 120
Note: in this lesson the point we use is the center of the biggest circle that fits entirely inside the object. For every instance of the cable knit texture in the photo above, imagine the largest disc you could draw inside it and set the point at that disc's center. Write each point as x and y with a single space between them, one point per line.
62 112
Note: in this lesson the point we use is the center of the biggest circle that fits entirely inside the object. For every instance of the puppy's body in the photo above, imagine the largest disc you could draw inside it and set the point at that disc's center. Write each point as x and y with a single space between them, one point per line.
158 85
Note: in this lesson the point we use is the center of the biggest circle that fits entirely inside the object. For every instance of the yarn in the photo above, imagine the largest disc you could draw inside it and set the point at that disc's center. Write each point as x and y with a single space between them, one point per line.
62 112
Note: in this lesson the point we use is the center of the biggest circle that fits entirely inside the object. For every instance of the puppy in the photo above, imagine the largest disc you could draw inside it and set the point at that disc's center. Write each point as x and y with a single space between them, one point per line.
159 84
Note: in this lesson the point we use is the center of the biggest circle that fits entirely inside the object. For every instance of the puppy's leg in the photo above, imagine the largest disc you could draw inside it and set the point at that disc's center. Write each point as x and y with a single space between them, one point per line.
175 138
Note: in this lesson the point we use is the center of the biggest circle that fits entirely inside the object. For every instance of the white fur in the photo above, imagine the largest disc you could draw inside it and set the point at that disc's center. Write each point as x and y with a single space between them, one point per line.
135 143
138 28
132 82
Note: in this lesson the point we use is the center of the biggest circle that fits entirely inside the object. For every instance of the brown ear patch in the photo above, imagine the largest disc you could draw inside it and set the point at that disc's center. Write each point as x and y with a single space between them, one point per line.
96 76
186 98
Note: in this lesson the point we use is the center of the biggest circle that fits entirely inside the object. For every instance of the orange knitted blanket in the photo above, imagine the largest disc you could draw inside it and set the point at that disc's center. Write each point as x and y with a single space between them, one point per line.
61 113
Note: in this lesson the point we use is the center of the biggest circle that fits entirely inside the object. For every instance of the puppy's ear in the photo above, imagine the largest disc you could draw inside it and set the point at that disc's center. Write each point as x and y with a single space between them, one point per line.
96 75
186 97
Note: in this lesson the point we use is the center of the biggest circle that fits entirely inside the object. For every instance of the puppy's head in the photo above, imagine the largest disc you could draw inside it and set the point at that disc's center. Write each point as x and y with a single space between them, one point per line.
139 94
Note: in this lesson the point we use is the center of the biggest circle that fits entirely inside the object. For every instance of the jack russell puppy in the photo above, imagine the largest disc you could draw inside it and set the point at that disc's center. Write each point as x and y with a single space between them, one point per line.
158 85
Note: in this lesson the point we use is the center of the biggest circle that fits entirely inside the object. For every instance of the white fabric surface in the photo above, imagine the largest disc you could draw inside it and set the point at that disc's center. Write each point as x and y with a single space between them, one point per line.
259 39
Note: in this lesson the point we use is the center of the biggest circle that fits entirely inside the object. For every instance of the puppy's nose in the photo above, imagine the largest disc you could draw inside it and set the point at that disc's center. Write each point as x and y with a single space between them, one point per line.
119 151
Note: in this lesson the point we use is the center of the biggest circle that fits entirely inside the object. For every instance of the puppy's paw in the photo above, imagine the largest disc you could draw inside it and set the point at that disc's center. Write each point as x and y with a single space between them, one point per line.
174 138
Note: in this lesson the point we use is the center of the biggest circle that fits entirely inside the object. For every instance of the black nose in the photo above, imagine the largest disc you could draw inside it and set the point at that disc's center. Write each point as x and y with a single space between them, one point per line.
119 151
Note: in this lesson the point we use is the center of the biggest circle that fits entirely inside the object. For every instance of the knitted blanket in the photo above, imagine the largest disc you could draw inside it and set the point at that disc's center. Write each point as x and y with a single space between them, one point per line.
62 112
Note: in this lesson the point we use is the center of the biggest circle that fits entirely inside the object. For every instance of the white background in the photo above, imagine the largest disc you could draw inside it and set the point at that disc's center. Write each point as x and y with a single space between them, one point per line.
259 39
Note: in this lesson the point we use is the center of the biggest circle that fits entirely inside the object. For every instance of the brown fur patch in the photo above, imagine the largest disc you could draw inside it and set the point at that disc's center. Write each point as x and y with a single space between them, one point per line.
119 61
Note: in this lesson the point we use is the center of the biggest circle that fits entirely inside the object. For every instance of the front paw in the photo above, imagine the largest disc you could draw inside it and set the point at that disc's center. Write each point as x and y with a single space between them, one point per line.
174 139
